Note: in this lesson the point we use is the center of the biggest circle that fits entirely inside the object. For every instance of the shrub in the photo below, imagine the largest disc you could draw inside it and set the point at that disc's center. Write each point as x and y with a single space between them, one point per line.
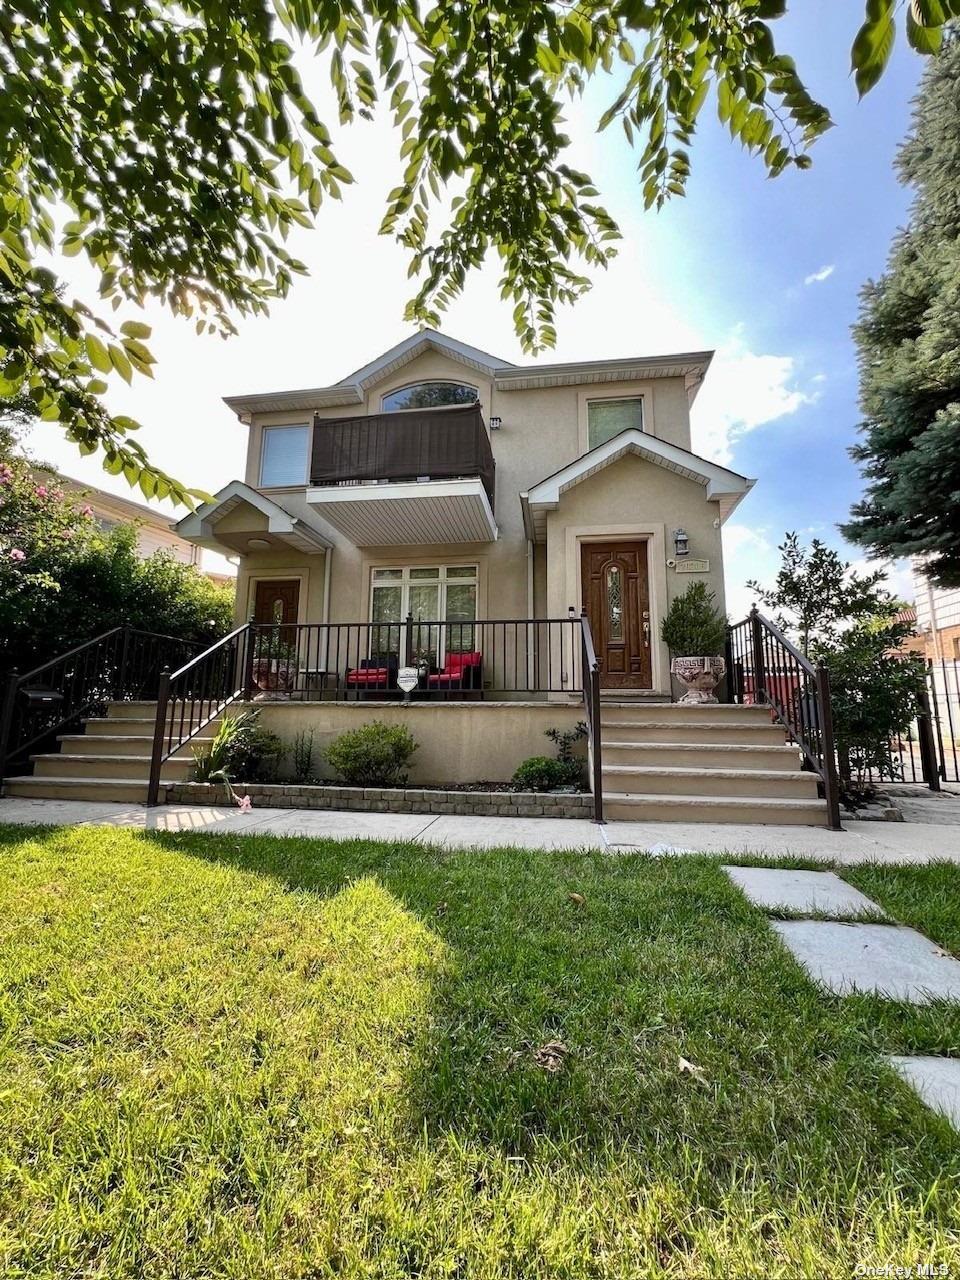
257 757
571 765
693 627
375 755
214 763
303 756
540 773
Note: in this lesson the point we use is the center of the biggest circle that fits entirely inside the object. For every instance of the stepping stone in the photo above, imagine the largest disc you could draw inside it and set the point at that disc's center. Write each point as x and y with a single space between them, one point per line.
937 1080
879 958
805 891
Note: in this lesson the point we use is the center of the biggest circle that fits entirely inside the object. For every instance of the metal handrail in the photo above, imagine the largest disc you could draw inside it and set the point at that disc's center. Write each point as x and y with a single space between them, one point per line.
83 677
785 680
591 704
206 703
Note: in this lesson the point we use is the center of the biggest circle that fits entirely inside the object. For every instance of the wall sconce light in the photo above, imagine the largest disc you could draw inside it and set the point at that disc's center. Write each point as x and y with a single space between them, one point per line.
496 424
681 542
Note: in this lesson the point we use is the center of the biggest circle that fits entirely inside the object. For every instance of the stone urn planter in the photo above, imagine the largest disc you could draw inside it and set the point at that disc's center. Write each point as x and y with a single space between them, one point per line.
699 676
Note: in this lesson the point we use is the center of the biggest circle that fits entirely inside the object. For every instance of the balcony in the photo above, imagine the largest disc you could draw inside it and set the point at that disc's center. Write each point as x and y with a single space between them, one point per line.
405 479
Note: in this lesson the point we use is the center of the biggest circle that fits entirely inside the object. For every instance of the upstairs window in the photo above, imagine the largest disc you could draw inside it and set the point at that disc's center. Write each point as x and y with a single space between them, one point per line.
283 457
607 418
429 395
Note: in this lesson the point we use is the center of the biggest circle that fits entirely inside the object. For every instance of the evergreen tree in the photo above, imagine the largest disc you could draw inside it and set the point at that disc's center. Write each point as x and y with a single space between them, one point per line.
908 336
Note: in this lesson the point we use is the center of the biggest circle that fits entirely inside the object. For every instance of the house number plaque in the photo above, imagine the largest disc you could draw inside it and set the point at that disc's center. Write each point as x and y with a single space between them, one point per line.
693 566
408 678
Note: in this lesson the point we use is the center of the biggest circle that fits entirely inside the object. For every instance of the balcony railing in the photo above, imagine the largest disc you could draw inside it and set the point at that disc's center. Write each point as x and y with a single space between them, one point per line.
439 444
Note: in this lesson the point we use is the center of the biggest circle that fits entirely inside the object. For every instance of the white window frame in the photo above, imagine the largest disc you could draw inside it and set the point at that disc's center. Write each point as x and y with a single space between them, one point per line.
405 582
621 399
285 426
423 382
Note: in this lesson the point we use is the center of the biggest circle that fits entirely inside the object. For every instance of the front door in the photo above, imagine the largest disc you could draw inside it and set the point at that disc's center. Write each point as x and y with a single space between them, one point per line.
616 596
277 601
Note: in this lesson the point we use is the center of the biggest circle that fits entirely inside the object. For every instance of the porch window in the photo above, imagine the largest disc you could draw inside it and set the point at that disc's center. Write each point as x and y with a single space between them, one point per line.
445 595
429 395
283 455
607 418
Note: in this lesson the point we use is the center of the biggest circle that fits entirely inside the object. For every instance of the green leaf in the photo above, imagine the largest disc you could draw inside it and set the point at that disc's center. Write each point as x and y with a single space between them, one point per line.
873 45
97 353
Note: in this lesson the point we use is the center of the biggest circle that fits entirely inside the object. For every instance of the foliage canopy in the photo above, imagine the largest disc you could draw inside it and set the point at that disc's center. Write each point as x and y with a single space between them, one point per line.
909 341
181 142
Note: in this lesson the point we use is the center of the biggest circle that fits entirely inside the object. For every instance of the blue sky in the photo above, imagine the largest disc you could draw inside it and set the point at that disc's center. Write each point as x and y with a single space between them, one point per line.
725 267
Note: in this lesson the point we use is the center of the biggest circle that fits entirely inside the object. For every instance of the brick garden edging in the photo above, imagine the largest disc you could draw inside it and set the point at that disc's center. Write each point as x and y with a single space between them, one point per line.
485 804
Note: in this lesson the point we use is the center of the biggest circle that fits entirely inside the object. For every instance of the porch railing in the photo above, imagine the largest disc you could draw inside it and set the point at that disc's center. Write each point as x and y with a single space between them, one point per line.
190 698
380 661
122 664
590 668
764 667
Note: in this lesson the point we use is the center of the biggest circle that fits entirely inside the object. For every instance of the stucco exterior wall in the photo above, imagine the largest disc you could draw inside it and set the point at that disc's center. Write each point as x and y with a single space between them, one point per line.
457 741
542 430
630 498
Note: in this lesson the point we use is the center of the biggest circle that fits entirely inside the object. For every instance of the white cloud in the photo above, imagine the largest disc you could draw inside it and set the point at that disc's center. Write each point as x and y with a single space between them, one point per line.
747 553
743 391
817 277
898 575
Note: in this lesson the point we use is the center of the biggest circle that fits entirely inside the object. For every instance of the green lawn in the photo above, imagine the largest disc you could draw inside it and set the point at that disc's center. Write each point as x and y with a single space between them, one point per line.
291 1058
927 897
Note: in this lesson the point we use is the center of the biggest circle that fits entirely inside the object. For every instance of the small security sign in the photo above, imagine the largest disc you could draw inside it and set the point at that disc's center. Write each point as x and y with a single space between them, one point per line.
408 678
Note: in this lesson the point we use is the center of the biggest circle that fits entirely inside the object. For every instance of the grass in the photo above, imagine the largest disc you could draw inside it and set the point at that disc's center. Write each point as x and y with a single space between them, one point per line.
925 897
262 1057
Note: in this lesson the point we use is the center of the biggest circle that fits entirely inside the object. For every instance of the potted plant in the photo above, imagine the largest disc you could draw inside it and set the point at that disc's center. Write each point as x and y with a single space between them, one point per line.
695 632
274 661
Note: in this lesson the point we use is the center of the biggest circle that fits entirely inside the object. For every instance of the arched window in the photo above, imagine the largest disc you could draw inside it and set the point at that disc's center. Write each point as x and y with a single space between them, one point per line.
429 395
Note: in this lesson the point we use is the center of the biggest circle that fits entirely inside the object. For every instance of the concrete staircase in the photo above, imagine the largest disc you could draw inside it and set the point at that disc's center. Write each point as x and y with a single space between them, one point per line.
710 763
108 760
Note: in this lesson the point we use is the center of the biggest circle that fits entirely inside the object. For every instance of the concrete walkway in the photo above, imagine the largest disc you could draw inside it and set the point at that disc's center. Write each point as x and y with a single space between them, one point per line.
860 842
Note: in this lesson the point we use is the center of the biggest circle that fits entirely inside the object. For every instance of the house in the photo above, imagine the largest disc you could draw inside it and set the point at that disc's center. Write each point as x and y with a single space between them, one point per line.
155 531
441 481
483 551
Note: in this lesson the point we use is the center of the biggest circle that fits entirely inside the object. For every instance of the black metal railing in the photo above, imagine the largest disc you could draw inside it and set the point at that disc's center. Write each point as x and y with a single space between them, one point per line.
435 444
122 664
190 698
590 669
469 659
765 668
384 661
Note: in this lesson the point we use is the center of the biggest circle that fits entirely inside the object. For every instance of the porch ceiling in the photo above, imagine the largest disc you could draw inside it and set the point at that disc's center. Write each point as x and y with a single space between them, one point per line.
409 513
241 520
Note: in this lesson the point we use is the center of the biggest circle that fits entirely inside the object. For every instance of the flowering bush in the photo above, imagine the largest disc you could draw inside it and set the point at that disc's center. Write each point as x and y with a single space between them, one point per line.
63 581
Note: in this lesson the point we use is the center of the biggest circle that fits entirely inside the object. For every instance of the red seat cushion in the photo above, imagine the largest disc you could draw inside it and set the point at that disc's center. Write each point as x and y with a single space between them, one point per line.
369 675
458 664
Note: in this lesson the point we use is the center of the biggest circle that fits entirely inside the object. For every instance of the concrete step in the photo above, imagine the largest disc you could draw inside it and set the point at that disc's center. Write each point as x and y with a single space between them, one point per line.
113 744
745 783
731 732
104 766
124 790
721 809
131 710
703 755
725 712
136 725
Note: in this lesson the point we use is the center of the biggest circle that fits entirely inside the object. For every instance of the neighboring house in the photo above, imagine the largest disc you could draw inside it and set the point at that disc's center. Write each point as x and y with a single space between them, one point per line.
155 531
938 618
443 482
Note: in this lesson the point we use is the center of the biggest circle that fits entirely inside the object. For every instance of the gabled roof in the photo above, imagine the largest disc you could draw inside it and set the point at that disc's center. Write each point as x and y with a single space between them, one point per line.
691 366
200 525
720 484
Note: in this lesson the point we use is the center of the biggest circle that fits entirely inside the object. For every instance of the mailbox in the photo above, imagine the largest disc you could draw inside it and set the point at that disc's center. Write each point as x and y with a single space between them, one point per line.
38 697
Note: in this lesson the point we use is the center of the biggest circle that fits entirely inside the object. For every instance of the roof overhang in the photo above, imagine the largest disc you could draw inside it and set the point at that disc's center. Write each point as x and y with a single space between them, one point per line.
407 513
726 488
691 366
269 523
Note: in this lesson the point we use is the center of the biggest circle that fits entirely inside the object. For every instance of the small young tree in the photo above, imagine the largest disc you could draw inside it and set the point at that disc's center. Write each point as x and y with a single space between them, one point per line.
817 594
849 622
693 627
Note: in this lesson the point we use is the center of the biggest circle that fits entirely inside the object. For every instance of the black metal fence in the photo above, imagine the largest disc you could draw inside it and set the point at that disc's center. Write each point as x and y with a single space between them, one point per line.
356 661
120 665
928 751
764 667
